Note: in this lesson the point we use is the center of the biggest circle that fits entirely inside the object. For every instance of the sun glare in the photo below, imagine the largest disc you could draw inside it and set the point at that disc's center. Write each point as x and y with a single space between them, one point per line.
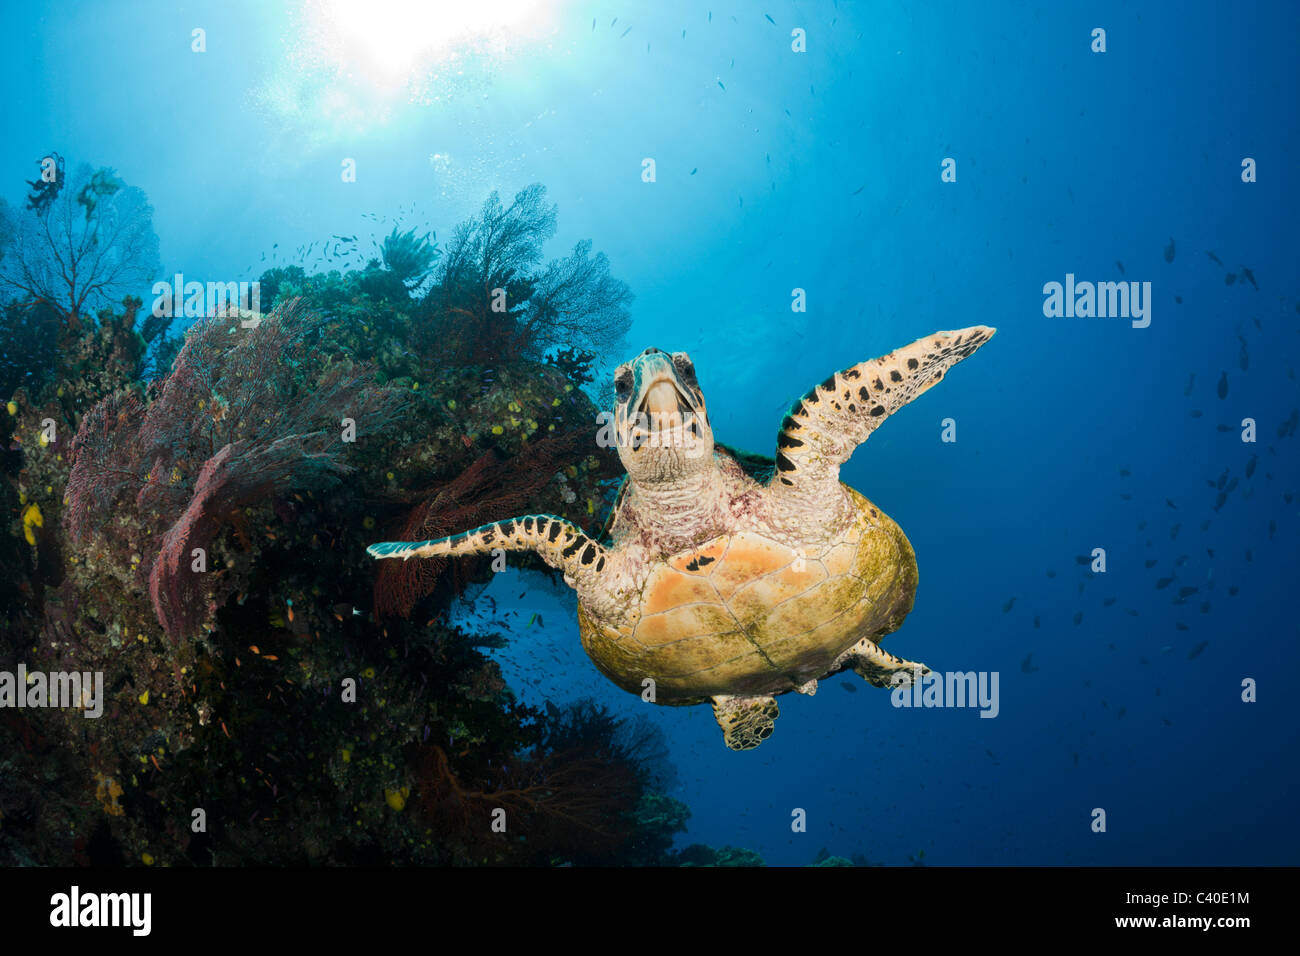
392 44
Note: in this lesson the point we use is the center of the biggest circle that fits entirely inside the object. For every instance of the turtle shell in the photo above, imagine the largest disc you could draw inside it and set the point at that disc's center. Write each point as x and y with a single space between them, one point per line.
744 614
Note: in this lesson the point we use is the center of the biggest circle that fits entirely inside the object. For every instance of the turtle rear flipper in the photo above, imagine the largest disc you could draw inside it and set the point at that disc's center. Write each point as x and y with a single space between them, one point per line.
878 667
745 721
835 417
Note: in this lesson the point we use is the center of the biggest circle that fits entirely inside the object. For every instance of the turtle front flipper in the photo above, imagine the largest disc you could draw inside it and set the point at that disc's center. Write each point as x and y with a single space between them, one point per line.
745 721
558 542
878 667
825 426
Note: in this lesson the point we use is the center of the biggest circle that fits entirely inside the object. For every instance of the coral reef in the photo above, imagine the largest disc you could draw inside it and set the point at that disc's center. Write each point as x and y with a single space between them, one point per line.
231 427
409 257
77 245
199 538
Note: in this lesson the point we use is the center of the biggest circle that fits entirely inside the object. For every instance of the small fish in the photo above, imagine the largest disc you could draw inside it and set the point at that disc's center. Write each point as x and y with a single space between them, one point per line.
1171 504
1229 278
1036 621
1187 591
1119 265
1164 583
695 170
1082 559
1150 562
1250 466
849 686
1169 251
1195 652
1188 390
1249 277
1027 665
1213 258
1009 605
1173 532
769 19
723 88
1223 386
1078 617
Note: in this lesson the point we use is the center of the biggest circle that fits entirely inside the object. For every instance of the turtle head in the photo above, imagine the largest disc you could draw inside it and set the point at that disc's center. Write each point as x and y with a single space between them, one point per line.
660 420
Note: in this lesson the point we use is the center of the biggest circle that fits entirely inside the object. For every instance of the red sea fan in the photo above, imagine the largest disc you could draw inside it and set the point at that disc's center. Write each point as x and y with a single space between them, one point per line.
103 471
488 490
245 415
240 474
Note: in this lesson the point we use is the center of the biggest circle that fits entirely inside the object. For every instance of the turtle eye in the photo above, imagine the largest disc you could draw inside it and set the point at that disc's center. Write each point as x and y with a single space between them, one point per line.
685 369
623 385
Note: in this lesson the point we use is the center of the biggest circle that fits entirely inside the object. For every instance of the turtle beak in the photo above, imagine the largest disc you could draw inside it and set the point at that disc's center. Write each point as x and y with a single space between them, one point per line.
665 402
659 404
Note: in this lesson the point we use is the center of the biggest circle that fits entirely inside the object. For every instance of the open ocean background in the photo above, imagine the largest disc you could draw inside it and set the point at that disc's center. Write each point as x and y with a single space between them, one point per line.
779 170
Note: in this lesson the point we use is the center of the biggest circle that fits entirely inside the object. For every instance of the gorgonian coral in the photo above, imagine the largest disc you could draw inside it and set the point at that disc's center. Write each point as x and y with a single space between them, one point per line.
490 489
247 414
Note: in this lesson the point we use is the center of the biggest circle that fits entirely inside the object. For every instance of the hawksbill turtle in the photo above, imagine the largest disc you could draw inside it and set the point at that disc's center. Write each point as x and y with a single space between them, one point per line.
717 580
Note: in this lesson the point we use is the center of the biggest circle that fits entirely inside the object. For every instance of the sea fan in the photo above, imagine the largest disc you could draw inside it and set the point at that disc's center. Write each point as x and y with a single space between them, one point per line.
409 257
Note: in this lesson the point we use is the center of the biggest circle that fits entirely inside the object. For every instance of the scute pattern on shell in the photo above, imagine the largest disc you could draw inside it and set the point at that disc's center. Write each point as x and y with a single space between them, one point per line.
744 614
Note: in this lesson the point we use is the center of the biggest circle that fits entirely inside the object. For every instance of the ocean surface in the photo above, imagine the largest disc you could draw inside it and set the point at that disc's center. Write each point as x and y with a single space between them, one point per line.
895 169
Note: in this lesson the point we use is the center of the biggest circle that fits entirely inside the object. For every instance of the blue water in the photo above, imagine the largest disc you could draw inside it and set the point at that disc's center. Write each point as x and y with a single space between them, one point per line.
821 171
